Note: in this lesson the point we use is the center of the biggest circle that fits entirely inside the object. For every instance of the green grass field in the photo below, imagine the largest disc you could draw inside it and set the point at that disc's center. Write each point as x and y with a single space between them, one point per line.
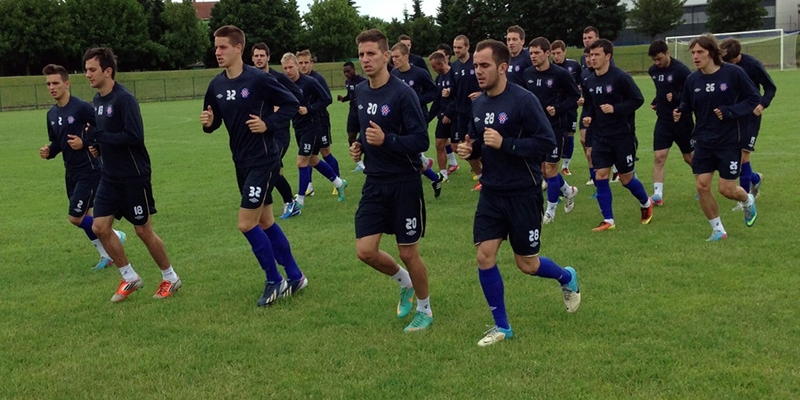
665 314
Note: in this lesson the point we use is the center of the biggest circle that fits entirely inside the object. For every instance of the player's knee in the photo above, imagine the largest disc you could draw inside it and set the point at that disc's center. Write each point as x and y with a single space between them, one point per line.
367 255
409 254
528 265
75 220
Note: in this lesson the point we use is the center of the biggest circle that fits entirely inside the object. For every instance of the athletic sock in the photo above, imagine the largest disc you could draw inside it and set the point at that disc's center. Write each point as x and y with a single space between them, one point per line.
361 164
305 180
549 269
424 306
745 176
402 278
553 189
569 148
86 225
283 187
494 291
169 275
551 208
565 163
333 162
431 175
592 174
754 178
451 157
262 249
604 198
128 274
637 190
444 174
301 199
566 189
658 189
326 170
716 224
283 252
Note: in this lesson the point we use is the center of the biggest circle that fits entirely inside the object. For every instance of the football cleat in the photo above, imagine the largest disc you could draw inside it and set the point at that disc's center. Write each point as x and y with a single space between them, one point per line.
755 189
292 209
571 292
295 286
657 200
604 226
340 190
717 236
547 219
750 213
565 171
569 201
437 185
272 292
167 288
738 207
494 335
590 183
477 187
125 289
103 263
406 302
452 168
647 213
358 169
420 322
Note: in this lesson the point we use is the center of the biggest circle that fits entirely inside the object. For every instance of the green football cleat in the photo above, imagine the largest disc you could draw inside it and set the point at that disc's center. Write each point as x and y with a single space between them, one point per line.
420 322
406 302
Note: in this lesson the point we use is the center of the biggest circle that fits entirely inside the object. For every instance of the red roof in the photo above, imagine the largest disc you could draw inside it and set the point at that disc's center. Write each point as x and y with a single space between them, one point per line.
203 9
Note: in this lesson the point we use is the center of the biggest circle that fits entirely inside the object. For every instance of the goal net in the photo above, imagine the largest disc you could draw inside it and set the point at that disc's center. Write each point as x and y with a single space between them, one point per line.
773 47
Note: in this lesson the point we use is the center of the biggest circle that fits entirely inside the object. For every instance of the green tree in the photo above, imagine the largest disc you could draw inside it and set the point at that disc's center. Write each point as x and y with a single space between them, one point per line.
654 17
119 24
274 22
35 32
735 15
185 37
331 29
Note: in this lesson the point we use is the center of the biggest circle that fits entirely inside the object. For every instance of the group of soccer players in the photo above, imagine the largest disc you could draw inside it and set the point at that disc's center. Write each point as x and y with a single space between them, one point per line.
509 110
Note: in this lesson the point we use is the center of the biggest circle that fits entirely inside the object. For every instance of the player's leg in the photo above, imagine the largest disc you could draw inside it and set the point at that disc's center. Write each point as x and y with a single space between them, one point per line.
603 158
569 149
625 160
556 185
704 164
326 140
488 230
295 278
81 191
339 184
662 141
728 174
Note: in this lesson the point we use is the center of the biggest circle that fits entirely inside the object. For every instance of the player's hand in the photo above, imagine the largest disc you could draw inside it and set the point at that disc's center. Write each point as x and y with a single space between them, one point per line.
492 138
302 110
446 92
44 152
586 121
75 142
676 115
718 113
256 124
445 120
464 149
374 134
355 151
207 117
607 108
340 98
758 110
474 95
653 107
580 102
669 96
551 110
93 151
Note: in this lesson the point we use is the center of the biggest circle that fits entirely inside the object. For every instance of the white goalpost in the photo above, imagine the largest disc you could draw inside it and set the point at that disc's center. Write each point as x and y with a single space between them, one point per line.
773 47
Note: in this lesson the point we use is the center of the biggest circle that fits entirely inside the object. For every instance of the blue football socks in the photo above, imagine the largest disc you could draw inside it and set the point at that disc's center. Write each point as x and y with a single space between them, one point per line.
494 291
549 269
283 252
262 248
86 225
604 198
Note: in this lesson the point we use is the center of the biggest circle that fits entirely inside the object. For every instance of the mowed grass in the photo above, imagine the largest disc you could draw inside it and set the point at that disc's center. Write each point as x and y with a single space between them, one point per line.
665 315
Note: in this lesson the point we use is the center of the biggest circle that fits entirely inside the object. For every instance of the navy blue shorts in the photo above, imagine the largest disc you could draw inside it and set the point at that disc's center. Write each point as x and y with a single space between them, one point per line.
134 201
309 141
444 131
750 134
555 155
462 123
325 138
81 189
725 161
255 185
517 218
621 152
392 208
668 132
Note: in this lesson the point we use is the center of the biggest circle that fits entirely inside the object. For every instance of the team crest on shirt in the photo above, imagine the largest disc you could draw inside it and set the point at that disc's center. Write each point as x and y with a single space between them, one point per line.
723 87
609 89
472 72
502 118
109 110
669 78
549 83
70 120
516 68
385 110
411 83
245 93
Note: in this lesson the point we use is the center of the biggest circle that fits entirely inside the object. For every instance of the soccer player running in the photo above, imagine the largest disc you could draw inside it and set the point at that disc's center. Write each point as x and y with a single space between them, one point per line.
124 189
558 49
413 59
520 58
465 90
512 135
440 110
668 75
426 91
260 57
611 99
721 97
732 53
586 137
352 79
557 92
306 64
393 133
309 133
245 98
66 129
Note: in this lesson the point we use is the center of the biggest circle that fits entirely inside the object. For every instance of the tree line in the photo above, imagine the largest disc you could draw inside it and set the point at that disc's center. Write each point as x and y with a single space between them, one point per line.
164 35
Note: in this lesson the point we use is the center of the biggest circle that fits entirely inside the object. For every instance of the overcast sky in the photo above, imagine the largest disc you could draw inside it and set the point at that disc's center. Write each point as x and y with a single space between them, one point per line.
384 9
